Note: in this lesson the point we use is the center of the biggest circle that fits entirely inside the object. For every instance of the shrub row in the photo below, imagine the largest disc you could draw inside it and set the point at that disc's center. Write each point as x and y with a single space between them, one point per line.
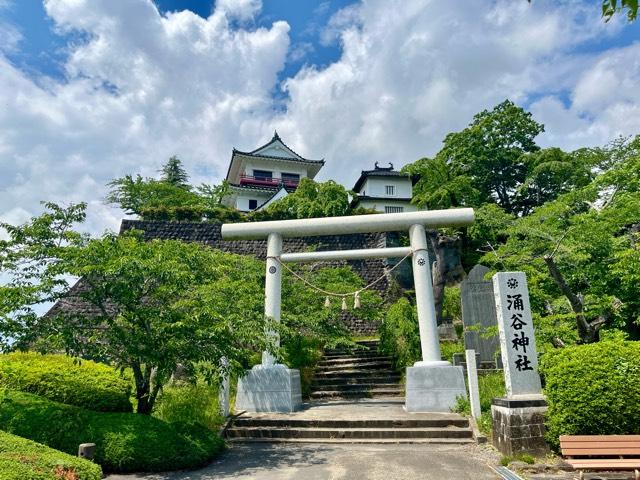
125 442
592 389
61 378
22 459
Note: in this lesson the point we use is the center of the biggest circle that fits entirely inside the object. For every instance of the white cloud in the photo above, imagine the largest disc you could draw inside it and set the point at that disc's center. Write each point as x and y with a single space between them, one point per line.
147 86
242 9
184 85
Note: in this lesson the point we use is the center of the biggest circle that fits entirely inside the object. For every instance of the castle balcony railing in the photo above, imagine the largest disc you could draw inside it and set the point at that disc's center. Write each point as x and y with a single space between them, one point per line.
267 181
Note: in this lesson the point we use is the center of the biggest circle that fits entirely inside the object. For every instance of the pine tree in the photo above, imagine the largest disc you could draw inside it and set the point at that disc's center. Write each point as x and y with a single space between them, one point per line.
173 173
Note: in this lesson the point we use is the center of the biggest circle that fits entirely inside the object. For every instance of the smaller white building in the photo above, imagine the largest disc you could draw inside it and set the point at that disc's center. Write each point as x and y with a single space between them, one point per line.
385 190
266 174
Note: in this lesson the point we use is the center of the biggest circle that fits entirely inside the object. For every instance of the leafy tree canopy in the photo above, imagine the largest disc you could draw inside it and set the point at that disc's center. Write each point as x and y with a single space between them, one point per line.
311 199
150 306
174 174
171 197
579 251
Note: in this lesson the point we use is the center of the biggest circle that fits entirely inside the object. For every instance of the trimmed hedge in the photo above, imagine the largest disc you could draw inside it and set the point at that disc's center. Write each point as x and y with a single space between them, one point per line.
592 389
125 442
22 459
61 378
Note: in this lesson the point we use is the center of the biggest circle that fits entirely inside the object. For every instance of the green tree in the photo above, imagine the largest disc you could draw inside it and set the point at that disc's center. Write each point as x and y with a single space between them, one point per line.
149 306
489 150
311 199
552 172
174 173
29 260
441 184
577 251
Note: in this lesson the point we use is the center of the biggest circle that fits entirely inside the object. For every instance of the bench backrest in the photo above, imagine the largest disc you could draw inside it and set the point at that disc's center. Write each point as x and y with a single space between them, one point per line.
599 445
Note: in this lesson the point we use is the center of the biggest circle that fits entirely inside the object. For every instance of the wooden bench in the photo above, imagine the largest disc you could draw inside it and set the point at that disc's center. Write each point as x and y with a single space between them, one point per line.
602 452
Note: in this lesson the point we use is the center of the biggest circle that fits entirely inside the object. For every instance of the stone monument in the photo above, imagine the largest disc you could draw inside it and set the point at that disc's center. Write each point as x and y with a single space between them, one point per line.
478 315
518 418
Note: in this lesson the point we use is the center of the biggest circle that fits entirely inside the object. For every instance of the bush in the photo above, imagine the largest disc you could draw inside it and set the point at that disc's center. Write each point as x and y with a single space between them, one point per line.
490 386
592 389
189 403
62 379
125 442
399 335
22 459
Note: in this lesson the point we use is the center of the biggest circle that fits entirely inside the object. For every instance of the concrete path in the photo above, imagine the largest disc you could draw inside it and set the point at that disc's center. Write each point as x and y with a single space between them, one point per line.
338 462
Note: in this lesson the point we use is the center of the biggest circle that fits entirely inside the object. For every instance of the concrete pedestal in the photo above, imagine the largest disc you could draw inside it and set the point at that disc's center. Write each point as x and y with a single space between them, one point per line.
269 389
518 425
434 388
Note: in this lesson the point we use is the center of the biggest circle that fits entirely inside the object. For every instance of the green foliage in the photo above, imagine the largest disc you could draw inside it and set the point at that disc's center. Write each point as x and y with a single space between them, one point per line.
451 305
592 389
311 199
448 349
579 251
174 173
611 7
22 459
507 459
159 304
171 197
29 261
189 403
61 378
125 442
399 335
490 386
149 306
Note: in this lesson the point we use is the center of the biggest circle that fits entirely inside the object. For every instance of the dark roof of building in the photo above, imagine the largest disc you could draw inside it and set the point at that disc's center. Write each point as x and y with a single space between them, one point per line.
378 172
264 188
275 139
358 198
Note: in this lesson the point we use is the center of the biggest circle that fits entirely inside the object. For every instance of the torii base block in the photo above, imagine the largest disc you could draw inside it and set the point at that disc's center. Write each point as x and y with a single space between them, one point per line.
274 388
434 388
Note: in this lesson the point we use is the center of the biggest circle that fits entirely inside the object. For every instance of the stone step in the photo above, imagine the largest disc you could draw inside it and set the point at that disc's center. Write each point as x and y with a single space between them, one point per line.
350 433
434 441
443 422
355 366
347 360
324 381
357 352
354 355
359 393
353 373
353 387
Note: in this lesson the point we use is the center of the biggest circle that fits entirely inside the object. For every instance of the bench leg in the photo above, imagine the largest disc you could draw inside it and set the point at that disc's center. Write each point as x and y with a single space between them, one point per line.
581 477
637 474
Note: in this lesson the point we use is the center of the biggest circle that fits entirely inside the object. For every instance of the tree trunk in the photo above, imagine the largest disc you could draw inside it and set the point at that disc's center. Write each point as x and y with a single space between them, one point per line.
447 268
145 395
588 332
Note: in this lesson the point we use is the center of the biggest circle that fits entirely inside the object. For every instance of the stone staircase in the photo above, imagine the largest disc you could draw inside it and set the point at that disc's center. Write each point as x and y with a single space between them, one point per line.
356 398
360 373
429 428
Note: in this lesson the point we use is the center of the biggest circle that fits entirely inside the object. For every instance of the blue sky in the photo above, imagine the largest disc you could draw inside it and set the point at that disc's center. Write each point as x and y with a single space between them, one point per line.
43 50
95 89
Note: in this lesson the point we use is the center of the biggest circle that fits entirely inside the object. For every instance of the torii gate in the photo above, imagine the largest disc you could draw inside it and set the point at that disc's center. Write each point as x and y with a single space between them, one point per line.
432 384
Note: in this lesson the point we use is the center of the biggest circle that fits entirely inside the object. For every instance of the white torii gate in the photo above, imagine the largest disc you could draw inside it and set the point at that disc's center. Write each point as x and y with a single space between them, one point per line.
432 384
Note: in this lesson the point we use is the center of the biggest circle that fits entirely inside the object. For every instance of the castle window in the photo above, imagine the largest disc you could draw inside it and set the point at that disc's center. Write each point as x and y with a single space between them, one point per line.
390 189
388 209
253 204
262 174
